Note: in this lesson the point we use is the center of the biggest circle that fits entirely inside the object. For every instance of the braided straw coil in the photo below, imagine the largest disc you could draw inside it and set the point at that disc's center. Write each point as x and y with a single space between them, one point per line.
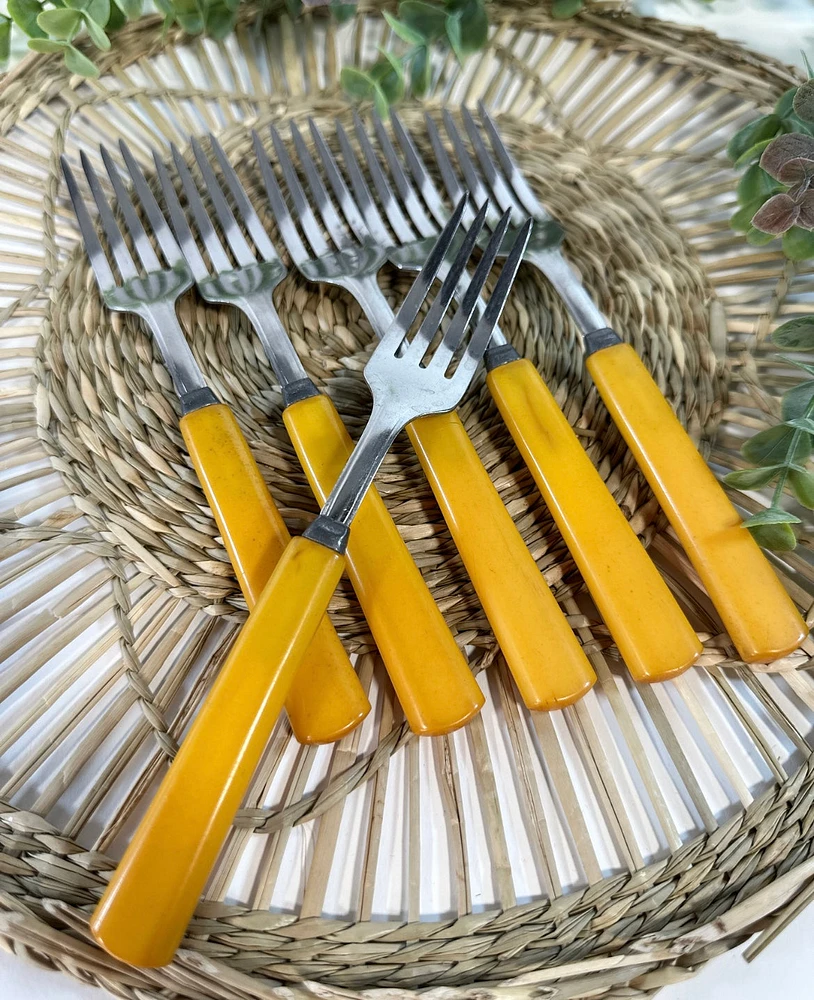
603 851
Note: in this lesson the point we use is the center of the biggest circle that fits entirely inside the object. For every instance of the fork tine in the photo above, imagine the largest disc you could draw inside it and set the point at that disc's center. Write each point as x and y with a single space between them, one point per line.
211 240
417 167
395 216
405 190
228 223
364 198
288 231
449 175
502 192
432 321
141 240
325 207
472 297
93 246
515 175
178 221
251 220
474 181
340 188
161 230
422 284
304 212
124 261
479 340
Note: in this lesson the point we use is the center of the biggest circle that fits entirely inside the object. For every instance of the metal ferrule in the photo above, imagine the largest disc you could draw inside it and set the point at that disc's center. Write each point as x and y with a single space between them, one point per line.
302 388
597 340
196 399
501 354
328 532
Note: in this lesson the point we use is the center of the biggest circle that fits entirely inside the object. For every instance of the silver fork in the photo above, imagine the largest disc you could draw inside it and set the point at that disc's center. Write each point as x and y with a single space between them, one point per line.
252 528
758 614
153 892
527 622
651 632
406 624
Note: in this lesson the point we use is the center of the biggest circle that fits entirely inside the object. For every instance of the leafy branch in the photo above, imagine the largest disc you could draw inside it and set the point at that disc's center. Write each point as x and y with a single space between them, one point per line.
780 453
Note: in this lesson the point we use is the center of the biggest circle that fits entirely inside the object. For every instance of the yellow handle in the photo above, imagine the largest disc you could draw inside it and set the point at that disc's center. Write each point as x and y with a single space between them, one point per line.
758 613
544 655
429 673
653 636
152 895
326 699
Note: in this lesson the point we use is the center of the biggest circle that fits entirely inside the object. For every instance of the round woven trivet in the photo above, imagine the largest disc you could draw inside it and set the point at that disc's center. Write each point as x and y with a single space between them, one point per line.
603 851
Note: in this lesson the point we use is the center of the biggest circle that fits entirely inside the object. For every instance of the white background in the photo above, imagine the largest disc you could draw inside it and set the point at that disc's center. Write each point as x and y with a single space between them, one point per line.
781 28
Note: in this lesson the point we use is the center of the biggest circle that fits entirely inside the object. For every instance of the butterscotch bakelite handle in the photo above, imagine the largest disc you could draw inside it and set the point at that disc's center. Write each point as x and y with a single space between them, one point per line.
759 615
326 699
152 895
653 636
547 662
430 675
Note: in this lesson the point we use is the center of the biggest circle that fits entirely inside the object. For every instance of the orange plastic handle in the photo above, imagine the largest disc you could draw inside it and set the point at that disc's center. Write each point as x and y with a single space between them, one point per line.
759 615
431 677
152 895
545 657
653 636
326 699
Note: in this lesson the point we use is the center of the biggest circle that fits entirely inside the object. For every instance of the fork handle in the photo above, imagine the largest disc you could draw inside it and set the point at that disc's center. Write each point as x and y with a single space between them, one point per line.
326 699
651 632
152 895
547 662
429 672
759 615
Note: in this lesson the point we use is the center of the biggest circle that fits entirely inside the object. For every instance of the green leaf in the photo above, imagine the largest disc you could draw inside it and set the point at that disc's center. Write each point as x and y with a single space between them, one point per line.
130 8
801 424
802 486
421 72
474 27
798 244
356 83
454 34
785 104
380 102
97 34
116 20
5 38
757 238
189 14
294 7
404 31
96 10
803 103
757 131
220 20
388 75
342 12
60 23
79 63
753 153
756 186
24 13
777 537
774 515
167 8
796 401
808 369
752 479
741 221
428 20
562 9
772 446
47 45
796 334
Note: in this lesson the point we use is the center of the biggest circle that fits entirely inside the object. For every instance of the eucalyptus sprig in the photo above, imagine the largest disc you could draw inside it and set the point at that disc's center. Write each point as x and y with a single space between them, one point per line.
781 453
459 25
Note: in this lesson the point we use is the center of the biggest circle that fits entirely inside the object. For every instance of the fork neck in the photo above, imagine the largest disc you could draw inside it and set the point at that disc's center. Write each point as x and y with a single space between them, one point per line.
366 291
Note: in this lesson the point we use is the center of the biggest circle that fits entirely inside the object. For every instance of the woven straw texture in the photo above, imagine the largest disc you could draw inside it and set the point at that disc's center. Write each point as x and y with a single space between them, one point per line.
604 851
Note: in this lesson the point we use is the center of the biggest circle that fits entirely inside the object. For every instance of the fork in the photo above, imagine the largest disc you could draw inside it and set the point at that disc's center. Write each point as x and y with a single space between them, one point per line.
653 636
546 659
146 907
250 525
759 615
432 679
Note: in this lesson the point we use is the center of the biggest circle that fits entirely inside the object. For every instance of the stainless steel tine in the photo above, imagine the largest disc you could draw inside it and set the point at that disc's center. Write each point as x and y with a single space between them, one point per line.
337 230
415 164
497 182
231 230
247 211
474 181
303 210
214 247
141 240
512 172
93 247
357 222
449 175
437 311
124 261
399 222
403 186
364 197
288 230
163 233
178 221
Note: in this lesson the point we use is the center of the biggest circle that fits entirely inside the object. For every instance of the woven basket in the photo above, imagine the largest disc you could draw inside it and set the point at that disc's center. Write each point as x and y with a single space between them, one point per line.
603 851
